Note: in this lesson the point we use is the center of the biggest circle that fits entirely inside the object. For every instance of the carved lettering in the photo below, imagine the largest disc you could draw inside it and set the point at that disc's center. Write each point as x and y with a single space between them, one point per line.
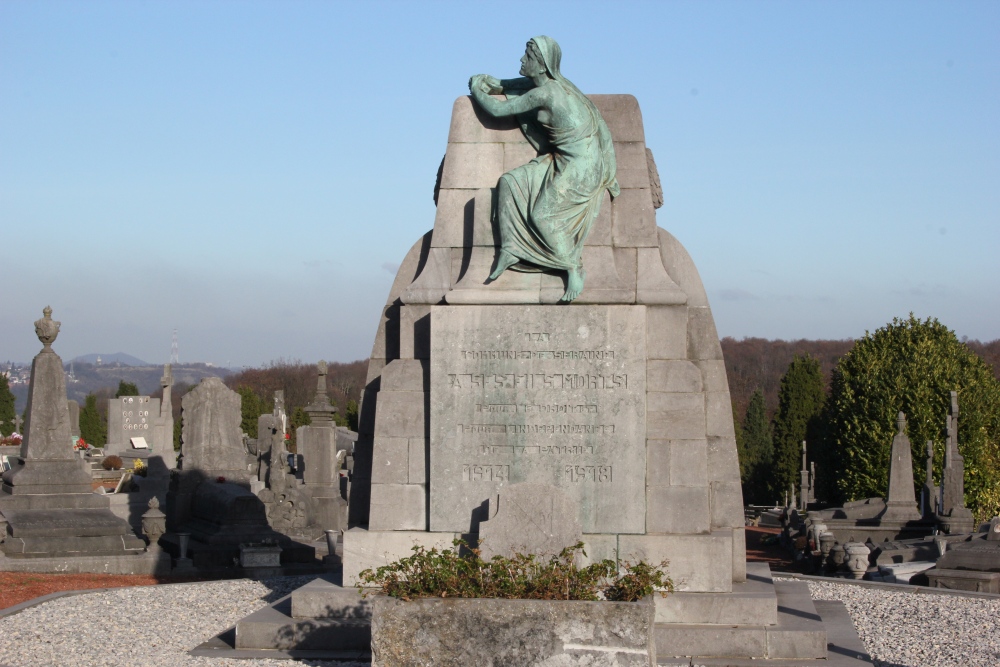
475 472
596 474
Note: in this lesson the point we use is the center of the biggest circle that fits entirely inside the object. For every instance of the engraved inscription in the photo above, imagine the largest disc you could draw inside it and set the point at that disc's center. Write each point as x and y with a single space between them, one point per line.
599 474
537 381
473 472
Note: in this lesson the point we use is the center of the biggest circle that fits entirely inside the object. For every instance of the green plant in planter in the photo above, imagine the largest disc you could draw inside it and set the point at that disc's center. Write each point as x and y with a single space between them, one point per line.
462 573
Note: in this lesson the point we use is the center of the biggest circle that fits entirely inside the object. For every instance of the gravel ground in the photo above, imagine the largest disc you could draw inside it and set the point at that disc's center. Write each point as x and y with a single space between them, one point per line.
157 625
145 626
906 629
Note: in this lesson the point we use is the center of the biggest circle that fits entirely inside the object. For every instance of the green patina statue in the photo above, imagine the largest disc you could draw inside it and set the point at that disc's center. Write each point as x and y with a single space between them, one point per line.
545 209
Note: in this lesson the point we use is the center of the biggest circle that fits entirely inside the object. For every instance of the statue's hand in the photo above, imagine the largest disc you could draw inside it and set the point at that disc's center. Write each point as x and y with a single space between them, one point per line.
493 86
484 83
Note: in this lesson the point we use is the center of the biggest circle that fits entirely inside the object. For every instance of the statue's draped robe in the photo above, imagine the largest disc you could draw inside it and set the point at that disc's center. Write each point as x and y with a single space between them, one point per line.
555 198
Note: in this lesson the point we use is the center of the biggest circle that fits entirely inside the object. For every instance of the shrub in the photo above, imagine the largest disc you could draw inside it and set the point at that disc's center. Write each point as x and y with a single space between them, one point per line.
112 462
462 573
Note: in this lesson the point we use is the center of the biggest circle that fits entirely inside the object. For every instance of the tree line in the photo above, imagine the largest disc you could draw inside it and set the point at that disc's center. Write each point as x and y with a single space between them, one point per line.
845 405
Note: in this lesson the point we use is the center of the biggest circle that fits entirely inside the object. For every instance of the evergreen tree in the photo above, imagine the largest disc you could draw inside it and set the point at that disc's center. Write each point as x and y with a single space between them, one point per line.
911 366
252 406
756 459
126 389
93 429
7 411
800 404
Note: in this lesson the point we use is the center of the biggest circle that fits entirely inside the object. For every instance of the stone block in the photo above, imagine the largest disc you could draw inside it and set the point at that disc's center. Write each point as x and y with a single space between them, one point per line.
603 286
390 460
675 416
713 375
406 375
711 640
530 519
400 414
723 464
418 461
752 602
632 169
398 507
697 563
677 509
454 218
653 284
673 376
470 124
471 270
323 599
633 219
739 554
365 549
703 339
681 269
600 233
622 115
472 166
517 154
727 505
599 547
666 332
657 463
719 414
688 462
414 332
435 631
625 265
428 287
538 394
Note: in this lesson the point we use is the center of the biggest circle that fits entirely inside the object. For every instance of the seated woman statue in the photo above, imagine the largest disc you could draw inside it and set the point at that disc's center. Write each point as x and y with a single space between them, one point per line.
545 209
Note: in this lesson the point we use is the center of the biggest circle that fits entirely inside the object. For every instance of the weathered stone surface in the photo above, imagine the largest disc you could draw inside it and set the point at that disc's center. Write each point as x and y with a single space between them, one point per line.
530 519
318 445
688 462
398 507
622 114
74 418
406 375
211 438
400 414
390 460
675 416
696 563
678 509
673 376
364 549
633 219
470 124
512 632
535 394
472 166
666 332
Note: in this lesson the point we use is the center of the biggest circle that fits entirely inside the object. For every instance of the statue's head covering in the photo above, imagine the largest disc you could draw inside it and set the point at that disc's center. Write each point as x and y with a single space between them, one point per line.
551 54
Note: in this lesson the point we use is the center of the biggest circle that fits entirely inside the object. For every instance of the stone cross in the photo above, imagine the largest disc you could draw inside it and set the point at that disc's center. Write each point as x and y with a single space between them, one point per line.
17 422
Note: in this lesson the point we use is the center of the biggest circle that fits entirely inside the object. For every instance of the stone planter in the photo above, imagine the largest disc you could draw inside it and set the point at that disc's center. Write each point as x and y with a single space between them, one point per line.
461 632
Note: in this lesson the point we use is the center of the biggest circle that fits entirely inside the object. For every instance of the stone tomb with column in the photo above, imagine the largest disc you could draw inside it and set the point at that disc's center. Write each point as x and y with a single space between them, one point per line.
608 418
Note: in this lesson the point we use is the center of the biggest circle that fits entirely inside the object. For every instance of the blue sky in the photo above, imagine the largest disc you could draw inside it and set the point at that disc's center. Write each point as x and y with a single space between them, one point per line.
250 173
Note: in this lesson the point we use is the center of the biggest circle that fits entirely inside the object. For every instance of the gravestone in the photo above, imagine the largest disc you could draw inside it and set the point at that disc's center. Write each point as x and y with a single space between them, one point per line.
209 495
74 419
900 502
129 419
47 499
317 444
954 516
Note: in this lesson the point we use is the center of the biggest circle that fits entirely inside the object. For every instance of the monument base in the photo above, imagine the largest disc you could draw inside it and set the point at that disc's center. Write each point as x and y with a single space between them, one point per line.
37 533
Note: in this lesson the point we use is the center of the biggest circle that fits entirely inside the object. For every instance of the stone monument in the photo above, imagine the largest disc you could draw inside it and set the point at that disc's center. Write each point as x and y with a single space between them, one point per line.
900 503
954 516
547 370
47 499
317 443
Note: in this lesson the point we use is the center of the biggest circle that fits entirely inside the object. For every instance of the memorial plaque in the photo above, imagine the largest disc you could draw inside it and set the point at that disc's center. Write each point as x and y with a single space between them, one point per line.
541 394
130 417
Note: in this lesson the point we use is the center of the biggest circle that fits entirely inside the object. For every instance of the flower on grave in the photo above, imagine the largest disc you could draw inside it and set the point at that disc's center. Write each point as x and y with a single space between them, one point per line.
288 436
81 444
220 479
15 438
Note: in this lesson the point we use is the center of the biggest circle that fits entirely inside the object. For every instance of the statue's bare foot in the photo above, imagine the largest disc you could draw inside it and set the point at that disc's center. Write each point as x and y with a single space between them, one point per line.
574 285
506 261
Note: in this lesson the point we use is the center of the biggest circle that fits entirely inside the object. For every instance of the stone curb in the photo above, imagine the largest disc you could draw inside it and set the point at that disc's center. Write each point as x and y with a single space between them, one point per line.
899 588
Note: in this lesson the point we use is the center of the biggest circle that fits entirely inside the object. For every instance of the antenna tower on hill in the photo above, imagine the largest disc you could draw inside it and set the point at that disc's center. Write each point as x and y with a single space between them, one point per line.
175 357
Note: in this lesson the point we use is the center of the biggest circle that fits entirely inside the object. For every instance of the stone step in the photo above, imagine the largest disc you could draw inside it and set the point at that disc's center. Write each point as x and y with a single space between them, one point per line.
323 597
274 628
752 602
798 633
844 647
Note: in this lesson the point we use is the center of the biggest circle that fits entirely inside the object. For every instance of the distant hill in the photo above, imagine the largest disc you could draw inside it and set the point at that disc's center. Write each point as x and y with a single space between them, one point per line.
109 359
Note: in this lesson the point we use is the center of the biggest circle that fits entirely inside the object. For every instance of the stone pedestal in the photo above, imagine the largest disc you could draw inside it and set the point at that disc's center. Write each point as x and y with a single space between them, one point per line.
47 500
